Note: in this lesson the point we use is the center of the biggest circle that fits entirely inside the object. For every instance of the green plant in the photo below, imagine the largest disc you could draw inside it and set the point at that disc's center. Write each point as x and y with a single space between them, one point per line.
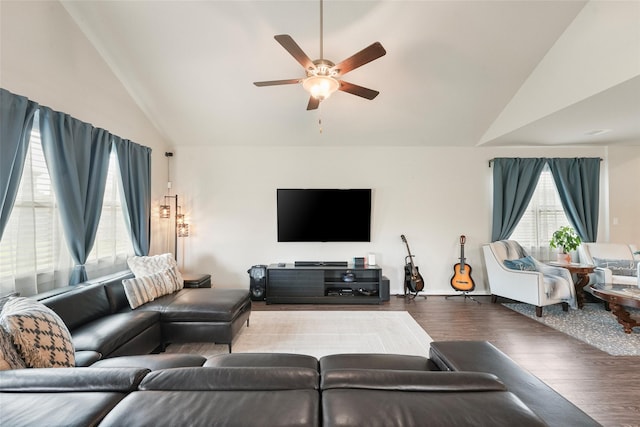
566 239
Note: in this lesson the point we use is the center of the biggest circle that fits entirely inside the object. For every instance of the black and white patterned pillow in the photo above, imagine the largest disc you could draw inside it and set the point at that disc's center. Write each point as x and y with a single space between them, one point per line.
9 357
618 267
38 334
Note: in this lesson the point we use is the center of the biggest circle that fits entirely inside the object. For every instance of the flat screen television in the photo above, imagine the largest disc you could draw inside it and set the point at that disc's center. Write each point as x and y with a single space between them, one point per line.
324 215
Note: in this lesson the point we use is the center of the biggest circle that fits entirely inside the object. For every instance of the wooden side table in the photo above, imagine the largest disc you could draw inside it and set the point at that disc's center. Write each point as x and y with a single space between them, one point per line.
582 277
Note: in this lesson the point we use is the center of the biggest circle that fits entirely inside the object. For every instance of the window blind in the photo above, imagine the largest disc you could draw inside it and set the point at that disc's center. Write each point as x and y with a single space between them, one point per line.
544 215
33 254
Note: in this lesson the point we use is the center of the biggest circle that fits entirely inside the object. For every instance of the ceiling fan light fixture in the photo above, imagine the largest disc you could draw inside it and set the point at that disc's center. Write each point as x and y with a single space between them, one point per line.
323 76
320 87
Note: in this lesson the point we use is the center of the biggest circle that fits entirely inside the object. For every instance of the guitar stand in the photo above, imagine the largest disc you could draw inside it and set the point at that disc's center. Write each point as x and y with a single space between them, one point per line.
408 295
465 295
411 296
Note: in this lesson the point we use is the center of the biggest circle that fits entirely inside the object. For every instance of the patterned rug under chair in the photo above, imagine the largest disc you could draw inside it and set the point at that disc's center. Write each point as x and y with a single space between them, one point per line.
592 324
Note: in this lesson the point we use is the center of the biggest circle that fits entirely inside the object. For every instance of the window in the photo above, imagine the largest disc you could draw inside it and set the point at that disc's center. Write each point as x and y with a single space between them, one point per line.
544 215
112 245
33 253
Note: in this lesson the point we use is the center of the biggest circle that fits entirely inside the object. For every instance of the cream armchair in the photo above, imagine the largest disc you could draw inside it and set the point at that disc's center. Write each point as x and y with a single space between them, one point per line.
538 284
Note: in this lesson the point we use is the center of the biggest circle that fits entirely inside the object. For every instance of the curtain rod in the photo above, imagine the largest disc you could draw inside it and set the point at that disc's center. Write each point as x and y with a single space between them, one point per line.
491 160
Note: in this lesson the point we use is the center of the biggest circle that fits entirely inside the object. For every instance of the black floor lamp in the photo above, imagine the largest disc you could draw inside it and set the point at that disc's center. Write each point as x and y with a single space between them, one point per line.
180 227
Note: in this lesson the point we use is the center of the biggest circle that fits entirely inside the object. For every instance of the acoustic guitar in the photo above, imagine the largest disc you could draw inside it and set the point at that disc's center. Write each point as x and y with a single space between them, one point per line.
461 280
412 278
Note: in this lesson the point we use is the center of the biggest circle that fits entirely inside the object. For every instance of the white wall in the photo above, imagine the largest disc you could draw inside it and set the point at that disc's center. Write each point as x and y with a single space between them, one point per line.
623 221
431 195
46 58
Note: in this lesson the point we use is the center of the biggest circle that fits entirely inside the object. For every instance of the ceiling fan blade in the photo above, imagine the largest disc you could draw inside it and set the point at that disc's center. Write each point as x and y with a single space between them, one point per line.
366 55
292 47
313 104
278 82
357 90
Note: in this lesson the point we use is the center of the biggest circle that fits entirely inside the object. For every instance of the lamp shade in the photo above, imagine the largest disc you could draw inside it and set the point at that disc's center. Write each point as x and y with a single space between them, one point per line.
320 87
183 230
165 211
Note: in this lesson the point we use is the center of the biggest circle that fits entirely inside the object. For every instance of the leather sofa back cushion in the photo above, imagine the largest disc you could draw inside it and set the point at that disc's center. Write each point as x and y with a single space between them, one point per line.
74 409
116 295
48 380
375 361
265 360
81 306
381 408
402 380
237 379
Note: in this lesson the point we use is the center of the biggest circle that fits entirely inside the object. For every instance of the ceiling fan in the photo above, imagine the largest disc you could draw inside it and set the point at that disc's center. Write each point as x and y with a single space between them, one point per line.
323 77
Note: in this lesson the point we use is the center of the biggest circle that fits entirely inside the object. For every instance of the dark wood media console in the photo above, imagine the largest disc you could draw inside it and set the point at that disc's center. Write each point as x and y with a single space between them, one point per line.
324 284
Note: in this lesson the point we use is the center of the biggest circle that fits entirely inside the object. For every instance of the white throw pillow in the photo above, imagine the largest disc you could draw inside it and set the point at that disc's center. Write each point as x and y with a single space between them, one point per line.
38 334
176 278
146 265
141 290
166 285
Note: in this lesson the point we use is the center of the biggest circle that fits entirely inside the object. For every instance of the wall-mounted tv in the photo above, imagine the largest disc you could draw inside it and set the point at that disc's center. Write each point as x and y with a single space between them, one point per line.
324 215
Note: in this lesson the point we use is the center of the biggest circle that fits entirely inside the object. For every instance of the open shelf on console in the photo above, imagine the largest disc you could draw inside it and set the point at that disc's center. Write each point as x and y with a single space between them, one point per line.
323 284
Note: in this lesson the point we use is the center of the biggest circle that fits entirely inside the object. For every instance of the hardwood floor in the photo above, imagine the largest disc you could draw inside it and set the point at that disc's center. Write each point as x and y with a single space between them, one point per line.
605 387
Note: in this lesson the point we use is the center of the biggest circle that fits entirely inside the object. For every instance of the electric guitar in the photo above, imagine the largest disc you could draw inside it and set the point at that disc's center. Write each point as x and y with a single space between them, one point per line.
412 278
461 280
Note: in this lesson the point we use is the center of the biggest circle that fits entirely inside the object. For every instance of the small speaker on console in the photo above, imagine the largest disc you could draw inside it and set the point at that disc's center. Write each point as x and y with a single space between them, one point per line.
358 262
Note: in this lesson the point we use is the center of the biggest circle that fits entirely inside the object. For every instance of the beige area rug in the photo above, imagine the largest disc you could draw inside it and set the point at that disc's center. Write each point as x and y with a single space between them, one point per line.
318 333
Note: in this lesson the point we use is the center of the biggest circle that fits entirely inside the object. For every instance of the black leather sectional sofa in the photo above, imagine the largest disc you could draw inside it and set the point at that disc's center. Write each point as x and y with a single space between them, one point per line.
103 325
460 384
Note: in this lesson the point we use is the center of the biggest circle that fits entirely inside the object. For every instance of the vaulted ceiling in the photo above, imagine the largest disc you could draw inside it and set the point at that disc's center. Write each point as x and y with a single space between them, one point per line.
456 73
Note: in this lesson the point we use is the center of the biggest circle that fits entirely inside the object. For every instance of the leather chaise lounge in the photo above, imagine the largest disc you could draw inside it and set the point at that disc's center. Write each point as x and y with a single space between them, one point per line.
460 384
103 325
